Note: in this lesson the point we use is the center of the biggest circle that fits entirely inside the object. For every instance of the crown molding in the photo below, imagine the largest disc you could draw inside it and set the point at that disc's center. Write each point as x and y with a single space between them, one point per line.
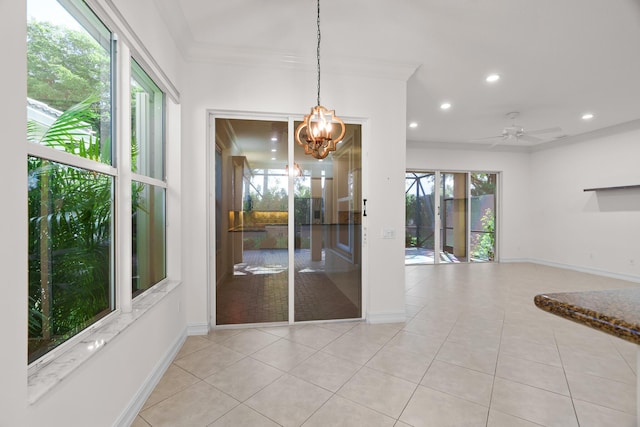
466 146
363 67
629 126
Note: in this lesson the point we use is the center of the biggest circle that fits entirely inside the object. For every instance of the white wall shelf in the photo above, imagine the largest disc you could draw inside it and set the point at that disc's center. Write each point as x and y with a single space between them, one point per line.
621 187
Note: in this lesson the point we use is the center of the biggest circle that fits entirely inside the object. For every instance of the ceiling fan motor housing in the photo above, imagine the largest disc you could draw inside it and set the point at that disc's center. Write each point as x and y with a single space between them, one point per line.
513 131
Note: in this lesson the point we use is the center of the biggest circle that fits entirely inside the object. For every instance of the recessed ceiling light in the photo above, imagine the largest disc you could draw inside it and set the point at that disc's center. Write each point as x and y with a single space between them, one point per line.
413 125
273 158
491 78
273 150
587 116
445 105
274 138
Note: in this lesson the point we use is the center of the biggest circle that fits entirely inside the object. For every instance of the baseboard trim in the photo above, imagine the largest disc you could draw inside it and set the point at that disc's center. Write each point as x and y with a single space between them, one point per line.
397 317
197 329
589 270
128 416
513 260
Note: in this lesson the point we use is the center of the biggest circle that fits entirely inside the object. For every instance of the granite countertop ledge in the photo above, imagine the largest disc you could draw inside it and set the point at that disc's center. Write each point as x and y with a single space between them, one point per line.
614 311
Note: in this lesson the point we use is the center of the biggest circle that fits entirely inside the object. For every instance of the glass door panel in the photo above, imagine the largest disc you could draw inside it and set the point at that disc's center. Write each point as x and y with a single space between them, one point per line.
252 222
327 223
483 216
420 197
453 217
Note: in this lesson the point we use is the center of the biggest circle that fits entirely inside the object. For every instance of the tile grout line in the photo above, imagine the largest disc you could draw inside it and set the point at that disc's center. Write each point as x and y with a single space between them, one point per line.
428 367
573 405
495 369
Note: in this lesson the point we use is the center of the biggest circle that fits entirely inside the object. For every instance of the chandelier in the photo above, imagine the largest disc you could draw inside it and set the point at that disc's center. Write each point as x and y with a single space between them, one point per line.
316 133
297 170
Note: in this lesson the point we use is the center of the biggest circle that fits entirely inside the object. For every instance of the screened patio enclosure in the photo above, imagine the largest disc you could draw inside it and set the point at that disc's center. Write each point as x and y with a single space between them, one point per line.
450 217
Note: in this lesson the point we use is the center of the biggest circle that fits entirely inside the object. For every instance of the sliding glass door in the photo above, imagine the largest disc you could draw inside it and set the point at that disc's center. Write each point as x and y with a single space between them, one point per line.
328 227
483 216
450 217
453 217
420 225
251 222
272 214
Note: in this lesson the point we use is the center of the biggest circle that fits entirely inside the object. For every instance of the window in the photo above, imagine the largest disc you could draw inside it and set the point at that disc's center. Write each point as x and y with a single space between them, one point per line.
69 61
71 191
148 236
148 188
147 125
74 176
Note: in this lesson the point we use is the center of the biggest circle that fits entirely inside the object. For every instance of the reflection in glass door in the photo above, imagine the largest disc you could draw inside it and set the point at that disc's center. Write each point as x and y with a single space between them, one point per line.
453 217
260 197
252 222
420 217
327 223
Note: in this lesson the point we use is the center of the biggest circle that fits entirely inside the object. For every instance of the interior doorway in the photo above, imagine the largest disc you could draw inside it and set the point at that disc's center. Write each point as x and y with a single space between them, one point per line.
287 226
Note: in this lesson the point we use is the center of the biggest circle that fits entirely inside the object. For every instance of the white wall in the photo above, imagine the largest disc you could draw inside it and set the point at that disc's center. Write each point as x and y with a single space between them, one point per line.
545 216
97 392
13 226
592 231
381 102
514 218
143 17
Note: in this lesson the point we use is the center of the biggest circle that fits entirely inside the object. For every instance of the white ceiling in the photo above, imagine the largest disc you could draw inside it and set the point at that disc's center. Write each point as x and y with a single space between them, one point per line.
558 58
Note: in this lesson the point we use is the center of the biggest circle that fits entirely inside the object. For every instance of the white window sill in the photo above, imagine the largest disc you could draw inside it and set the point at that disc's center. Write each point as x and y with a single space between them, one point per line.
44 375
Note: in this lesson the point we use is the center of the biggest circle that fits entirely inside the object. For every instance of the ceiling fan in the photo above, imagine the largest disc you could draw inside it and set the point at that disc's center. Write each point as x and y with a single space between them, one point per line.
517 132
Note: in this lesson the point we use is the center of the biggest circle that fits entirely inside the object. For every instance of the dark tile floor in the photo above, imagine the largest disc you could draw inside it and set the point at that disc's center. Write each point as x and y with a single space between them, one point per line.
258 291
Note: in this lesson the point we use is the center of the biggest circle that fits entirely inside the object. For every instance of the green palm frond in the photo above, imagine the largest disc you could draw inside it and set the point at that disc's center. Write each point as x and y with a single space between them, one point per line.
71 131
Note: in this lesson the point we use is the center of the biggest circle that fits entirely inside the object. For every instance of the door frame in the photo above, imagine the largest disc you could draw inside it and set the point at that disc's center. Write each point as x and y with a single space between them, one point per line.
211 146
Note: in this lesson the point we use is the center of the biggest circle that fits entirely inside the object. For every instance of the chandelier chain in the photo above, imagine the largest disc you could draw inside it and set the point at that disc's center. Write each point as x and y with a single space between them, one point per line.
318 50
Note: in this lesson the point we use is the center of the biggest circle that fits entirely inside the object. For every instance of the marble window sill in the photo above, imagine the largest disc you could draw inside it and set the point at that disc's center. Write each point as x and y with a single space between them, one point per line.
45 375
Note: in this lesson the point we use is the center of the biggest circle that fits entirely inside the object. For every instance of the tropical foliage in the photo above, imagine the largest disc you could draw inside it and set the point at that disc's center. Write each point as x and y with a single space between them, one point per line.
65 66
70 230
70 208
484 244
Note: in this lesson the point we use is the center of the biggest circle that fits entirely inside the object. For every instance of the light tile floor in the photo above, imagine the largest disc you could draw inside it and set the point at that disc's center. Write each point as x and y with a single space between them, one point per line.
474 351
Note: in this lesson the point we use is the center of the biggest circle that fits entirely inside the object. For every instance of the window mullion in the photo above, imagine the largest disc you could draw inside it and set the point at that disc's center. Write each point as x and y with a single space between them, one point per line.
58 156
148 180
123 187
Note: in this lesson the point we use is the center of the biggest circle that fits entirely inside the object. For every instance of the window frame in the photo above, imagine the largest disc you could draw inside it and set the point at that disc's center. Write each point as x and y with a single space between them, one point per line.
90 22
125 48
147 180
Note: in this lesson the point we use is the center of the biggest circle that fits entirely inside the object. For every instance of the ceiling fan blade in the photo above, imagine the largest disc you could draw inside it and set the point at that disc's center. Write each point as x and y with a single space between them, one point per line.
501 141
488 138
540 131
529 138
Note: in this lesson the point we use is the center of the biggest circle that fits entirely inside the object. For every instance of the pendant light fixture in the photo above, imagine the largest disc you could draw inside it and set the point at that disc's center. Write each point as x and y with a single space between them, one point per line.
316 133
297 170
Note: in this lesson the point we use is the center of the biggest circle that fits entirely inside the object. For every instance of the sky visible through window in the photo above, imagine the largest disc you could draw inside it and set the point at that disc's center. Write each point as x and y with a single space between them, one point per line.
51 11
